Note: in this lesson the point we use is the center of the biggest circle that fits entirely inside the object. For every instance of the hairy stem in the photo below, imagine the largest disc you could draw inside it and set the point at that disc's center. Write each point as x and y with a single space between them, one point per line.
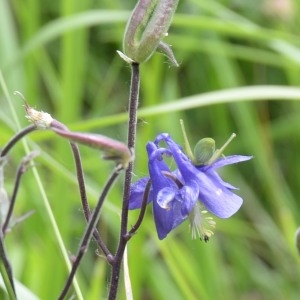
132 124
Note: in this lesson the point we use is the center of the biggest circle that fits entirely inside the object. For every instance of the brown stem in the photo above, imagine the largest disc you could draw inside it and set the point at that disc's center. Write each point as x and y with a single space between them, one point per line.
132 124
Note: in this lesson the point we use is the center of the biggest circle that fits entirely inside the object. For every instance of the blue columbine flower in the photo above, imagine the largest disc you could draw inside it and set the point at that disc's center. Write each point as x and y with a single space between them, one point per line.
187 192
164 190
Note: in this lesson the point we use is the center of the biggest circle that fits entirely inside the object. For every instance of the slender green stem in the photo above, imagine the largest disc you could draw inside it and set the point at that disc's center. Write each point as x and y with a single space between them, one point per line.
219 152
187 146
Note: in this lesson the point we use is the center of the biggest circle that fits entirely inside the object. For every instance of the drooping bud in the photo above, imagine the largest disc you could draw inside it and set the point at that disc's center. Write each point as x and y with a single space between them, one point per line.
204 150
113 149
146 28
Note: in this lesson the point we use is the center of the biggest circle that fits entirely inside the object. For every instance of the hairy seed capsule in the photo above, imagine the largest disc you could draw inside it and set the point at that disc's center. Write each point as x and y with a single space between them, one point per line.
147 27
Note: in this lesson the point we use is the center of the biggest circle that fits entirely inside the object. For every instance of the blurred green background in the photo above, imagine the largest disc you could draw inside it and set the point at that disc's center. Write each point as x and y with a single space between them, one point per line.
61 55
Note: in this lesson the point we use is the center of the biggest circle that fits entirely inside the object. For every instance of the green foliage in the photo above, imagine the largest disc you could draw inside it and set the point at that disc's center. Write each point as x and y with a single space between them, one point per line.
62 56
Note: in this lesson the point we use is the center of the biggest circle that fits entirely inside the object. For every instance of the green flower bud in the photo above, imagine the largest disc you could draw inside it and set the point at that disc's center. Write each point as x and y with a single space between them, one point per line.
204 150
147 27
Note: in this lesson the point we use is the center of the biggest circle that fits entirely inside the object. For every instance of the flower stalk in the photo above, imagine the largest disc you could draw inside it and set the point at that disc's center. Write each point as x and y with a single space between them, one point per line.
131 138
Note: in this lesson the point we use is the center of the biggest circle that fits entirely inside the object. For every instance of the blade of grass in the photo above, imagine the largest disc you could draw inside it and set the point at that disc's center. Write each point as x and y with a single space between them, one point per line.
234 95
65 24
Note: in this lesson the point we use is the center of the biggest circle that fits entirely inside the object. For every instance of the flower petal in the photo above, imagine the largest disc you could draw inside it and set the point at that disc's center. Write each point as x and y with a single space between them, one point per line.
217 178
137 193
229 160
165 196
217 198
165 218
189 193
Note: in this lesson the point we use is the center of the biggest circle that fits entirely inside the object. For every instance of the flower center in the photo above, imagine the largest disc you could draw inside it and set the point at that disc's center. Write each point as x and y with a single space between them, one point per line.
200 223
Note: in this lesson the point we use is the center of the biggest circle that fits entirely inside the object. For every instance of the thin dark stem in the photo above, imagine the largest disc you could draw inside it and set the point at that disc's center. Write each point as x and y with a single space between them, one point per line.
132 124
90 229
21 170
138 223
3 255
80 180
174 178
16 138
6 264
84 202
82 189
79 170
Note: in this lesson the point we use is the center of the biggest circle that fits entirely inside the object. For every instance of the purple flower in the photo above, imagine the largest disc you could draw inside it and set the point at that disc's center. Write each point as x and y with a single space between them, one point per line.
163 189
187 192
